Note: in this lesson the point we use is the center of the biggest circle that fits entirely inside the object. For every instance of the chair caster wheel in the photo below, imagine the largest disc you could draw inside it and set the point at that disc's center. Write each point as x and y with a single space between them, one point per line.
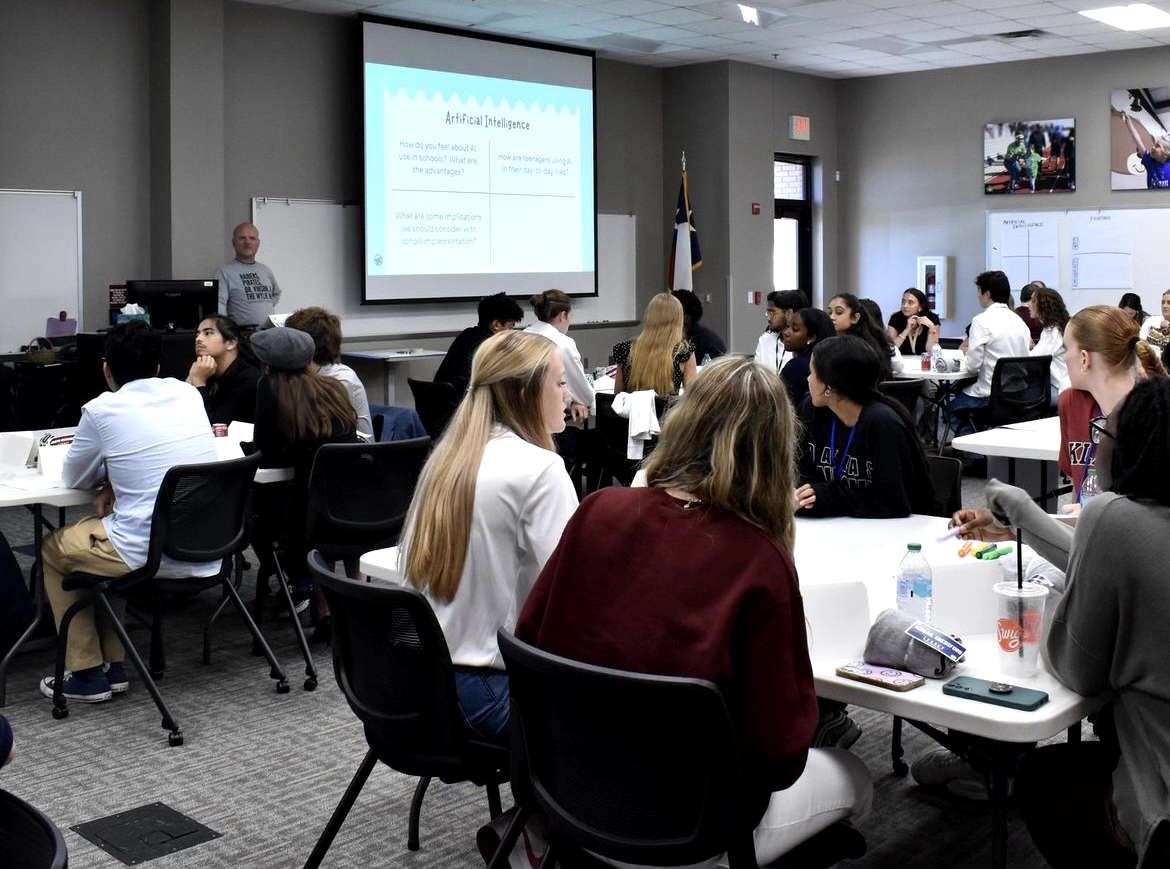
60 712
282 687
174 738
311 684
900 768
157 675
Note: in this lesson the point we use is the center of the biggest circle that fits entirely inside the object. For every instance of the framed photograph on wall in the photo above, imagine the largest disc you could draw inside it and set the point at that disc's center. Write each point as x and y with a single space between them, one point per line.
1139 139
1030 157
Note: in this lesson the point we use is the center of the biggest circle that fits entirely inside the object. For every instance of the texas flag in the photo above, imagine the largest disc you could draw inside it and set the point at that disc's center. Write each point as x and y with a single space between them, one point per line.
685 256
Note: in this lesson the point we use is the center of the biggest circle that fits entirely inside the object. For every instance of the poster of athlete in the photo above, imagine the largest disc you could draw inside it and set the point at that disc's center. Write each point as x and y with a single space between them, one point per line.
1030 157
1139 141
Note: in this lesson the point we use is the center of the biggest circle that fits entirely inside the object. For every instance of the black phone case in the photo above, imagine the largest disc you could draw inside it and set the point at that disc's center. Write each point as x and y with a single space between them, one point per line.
970 688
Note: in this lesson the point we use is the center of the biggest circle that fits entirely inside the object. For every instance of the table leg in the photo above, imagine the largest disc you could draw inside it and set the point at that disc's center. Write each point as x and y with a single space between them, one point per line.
1074 733
1044 485
1011 470
389 388
36 581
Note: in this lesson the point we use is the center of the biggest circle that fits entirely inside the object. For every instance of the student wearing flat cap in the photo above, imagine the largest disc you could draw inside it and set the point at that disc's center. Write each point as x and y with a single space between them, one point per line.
297 410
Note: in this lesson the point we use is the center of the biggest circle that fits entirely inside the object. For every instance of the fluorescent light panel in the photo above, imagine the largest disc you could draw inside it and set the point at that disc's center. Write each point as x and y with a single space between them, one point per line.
1136 16
750 14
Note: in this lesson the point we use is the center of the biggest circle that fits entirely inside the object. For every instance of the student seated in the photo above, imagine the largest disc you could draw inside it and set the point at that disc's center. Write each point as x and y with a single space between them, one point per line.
620 592
781 305
223 371
914 327
861 456
805 329
707 344
1098 803
497 313
325 330
297 411
1046 307
488 511
660 358
851 318
554 310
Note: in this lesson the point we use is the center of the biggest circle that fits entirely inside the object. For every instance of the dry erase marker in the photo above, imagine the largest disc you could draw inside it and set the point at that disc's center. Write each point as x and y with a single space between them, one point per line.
999 553
954 532
964 549
985 548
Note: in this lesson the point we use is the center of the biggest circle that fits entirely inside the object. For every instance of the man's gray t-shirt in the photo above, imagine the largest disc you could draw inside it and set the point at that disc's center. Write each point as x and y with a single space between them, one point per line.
248 292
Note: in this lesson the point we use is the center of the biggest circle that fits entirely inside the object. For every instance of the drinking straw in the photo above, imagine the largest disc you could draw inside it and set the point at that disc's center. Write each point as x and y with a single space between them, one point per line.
1020 585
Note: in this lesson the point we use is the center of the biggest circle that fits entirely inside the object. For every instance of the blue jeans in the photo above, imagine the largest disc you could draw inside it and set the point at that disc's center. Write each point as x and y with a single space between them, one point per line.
963 401
484 702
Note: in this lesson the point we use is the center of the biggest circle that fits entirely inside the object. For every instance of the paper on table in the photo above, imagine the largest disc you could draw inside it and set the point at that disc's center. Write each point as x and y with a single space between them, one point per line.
31 482
51 462
16 448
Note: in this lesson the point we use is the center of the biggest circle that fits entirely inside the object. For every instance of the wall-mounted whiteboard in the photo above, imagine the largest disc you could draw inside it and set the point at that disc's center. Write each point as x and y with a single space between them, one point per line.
40 261
314 248
1091 256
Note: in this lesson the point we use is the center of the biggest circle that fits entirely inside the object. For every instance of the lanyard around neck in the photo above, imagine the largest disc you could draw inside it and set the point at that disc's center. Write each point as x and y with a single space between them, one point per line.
839 467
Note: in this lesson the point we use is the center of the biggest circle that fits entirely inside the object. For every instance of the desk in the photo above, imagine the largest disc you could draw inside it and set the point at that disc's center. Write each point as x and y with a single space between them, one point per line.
948 383
1036 440
35 499
392 372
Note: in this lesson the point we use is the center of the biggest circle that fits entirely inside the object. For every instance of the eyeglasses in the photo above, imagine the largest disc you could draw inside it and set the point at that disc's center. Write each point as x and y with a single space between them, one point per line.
1097 428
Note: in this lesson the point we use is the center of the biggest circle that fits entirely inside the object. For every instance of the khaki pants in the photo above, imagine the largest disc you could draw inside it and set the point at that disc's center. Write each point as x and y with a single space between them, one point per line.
84 547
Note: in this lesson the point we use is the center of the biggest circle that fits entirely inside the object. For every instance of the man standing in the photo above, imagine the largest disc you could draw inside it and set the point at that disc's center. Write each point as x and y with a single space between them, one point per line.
248 292
129 437
995 333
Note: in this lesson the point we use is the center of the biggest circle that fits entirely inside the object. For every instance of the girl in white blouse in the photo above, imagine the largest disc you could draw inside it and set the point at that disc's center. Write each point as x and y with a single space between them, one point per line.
1047 307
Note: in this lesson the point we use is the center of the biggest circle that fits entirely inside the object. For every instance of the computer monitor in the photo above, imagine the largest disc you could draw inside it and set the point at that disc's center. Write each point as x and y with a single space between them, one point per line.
175 304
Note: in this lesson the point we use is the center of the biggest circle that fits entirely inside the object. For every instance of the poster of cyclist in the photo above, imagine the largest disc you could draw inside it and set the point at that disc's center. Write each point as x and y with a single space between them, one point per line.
1030 157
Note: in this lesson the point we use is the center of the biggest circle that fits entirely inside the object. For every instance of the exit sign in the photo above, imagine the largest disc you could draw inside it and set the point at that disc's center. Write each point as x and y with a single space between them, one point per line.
799 128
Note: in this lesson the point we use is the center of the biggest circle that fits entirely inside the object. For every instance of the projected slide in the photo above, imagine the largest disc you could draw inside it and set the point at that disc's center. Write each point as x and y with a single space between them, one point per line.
477 184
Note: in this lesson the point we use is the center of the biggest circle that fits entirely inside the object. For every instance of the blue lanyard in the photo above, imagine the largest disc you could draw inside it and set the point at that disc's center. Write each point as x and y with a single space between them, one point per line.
839 467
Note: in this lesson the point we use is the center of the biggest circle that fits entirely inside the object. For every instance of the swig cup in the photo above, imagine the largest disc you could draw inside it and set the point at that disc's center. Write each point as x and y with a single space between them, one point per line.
1018 626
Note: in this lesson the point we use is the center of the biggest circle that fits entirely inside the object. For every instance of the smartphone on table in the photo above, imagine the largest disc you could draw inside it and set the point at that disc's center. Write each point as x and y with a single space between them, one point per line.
883 677
999 693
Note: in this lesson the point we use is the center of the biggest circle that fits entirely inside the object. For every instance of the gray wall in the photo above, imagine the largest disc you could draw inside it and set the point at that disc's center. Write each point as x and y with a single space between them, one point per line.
912 185
74 115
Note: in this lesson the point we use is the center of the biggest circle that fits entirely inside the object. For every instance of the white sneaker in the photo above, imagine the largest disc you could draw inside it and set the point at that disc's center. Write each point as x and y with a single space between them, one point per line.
941 767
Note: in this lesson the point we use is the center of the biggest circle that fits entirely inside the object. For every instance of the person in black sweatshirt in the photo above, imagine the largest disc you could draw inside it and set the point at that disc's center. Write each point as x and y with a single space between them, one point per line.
861 456
806 328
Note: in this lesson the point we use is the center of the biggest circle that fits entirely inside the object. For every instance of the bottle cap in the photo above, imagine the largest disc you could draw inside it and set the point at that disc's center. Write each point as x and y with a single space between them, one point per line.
914 547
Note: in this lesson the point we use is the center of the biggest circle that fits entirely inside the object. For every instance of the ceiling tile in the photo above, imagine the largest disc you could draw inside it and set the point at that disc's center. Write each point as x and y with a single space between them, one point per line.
675 16
632 7
841 9
963 19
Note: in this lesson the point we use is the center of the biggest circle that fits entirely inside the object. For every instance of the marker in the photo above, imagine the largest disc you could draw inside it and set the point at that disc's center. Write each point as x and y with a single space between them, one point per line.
999 553
954 532
985 548
965 549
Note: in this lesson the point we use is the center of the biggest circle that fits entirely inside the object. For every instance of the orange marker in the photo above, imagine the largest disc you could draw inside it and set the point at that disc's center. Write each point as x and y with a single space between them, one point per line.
965 549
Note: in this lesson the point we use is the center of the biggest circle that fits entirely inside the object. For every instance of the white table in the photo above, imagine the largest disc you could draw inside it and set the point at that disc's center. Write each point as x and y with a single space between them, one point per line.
392 370
1037 440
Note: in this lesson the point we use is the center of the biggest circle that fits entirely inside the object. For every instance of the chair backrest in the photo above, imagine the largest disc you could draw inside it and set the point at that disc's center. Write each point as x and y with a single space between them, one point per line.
1019 389
635 767
392 664
359 493
435 402
950 343
615 430
905 392
28 839
947 475
203 512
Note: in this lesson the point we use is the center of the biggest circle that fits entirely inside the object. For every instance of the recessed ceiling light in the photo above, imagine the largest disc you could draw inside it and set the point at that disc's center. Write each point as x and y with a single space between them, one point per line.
1136 16
750 14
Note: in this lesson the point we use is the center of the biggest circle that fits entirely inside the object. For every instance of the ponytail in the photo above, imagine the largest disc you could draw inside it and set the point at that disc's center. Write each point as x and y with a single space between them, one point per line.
1148 359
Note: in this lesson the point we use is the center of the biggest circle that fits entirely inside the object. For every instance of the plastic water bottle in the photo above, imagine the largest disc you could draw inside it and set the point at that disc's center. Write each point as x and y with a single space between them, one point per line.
1090 487
706 359
915 583
936 359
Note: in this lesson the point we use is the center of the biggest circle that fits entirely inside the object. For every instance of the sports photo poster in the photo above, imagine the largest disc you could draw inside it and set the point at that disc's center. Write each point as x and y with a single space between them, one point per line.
1030 157
1139 139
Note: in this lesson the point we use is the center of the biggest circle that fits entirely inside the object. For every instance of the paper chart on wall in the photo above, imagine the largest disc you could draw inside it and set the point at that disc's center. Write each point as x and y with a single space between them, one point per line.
1102 250
1028 250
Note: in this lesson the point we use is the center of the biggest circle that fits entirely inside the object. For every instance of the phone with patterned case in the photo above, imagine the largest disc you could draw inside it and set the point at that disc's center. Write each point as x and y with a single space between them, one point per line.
883 677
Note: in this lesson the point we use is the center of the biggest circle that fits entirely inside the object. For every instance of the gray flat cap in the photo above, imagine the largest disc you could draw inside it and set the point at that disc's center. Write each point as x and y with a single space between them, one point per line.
284 348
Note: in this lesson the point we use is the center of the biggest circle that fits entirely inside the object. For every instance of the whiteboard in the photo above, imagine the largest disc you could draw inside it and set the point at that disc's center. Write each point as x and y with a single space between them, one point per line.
40 261
314 248
1137 238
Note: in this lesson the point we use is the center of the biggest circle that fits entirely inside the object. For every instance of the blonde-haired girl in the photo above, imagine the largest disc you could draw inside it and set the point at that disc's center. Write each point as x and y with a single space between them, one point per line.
660 358
488 510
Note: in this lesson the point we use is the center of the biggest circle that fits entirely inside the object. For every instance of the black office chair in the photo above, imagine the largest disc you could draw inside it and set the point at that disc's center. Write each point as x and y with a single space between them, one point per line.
357 498
28 839
392 664
905 392
950 343
1019 393
613 433
634 767
947 476
201 513
435 402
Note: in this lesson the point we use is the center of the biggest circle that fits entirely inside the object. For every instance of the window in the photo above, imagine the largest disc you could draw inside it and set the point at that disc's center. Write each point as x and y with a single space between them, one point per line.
792 227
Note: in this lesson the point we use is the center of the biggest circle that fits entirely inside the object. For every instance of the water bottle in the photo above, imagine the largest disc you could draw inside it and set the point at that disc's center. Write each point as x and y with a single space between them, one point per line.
915 583
936 358
706 359
1090 487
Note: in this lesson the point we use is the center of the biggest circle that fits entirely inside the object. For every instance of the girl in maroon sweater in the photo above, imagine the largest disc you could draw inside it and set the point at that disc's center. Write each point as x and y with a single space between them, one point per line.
693 576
